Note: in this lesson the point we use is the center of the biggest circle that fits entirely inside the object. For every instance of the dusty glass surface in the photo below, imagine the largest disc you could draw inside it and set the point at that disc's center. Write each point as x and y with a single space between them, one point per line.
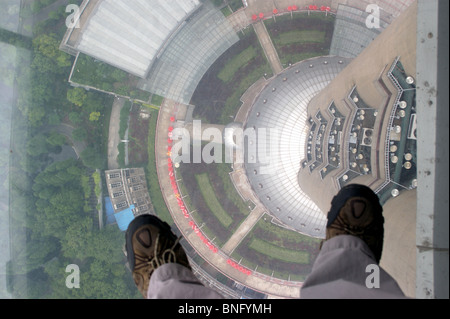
113 109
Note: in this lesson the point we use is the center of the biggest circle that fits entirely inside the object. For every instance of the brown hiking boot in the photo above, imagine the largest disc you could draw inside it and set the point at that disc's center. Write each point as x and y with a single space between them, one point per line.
356 211
149 244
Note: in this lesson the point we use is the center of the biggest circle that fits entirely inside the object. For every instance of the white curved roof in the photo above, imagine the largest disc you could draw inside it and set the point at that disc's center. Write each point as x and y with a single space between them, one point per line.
282 105
129 34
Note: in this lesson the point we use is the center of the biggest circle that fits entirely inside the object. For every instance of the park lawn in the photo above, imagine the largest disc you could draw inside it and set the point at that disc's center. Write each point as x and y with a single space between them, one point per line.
277 251
233 103
300 36
238 62
223 170
157 100
278 234
211 200
280 253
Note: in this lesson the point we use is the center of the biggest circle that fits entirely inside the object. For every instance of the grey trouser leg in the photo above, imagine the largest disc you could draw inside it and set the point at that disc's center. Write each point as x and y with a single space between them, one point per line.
173 281
340 271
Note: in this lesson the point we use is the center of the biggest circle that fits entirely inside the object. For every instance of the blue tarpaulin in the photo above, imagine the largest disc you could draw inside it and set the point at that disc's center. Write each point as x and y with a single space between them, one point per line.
109 212
124 218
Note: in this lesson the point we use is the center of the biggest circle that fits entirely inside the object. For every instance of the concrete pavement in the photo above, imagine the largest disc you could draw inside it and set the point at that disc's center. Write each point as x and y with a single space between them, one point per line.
114 138
268 47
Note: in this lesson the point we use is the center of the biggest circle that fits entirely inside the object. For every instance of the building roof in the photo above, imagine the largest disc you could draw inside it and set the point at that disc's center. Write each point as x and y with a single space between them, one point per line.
282 106
130 34
189 54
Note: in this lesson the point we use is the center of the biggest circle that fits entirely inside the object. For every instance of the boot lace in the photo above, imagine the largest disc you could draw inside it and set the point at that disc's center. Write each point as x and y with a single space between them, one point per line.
166 257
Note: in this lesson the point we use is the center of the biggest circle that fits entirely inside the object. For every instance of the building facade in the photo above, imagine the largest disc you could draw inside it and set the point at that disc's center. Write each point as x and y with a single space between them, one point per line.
362 129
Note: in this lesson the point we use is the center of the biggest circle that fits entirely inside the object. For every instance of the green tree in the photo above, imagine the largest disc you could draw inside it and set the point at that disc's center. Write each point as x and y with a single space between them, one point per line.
56 139
48 45
77 96
54 119
106 245
37 145
38 252
118 75
92 158
64 60
36 115
59 199
94 116
77 238
79 134
43 64
64 209
75 117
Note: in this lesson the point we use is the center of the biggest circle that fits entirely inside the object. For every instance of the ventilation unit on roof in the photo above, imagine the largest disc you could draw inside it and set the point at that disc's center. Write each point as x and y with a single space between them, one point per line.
367 137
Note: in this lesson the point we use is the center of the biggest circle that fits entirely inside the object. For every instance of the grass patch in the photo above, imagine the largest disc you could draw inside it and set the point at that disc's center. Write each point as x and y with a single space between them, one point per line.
284 237
277 251
217 97
157 100
223 170
238 62
102 76
226 11
124 116
301 36
211 200
233 103
280 253
97 182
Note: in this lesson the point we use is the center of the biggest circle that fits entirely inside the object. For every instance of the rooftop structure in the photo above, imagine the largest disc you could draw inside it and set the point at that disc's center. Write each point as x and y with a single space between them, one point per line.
363 130
128 188
362 124
183 61
127 34
281 110
168 44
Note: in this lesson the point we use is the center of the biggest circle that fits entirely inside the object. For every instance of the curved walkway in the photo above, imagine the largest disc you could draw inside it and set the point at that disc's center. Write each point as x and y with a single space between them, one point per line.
67 130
